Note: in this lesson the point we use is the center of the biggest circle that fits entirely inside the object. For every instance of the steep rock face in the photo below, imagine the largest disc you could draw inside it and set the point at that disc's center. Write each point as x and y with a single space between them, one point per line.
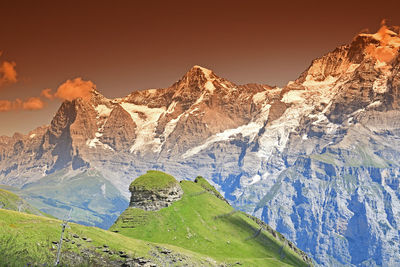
204 104
73 124
119 129
336 172
317 159
155 200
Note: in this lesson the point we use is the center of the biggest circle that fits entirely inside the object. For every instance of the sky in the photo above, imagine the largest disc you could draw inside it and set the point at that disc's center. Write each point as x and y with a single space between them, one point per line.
122 46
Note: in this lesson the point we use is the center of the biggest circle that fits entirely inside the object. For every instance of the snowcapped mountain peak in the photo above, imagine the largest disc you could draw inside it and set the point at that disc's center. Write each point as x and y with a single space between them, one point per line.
384 46
199 80
383 33
97 98
204 70
198 74
380 48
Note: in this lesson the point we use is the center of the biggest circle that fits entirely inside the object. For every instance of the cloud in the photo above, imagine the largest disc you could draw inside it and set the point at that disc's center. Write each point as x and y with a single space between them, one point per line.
72 89
46 93
5 105
32 103
69 90
8 74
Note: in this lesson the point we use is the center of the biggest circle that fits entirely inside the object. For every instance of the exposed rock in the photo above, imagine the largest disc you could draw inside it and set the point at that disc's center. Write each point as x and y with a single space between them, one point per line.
119 129
154 197
325 147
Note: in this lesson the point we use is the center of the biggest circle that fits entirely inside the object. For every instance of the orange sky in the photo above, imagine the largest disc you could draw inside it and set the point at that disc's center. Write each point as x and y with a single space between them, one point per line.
123 46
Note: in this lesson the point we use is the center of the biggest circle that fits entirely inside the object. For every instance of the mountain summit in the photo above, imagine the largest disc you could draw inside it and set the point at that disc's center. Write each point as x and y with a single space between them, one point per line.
318 159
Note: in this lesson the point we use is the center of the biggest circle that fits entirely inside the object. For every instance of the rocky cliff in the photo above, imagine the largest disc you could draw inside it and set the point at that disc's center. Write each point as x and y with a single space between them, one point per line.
154 190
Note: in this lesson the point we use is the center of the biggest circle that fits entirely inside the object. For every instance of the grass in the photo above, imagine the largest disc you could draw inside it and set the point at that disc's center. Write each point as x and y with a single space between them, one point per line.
207 186
11 201
201 229
153 180
13 250
94 200
363 156
326 157
27 239
360 156
202 222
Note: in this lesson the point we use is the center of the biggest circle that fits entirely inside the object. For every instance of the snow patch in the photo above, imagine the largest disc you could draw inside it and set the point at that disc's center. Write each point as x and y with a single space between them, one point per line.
374 104
293 96
193 110
276 135
256 178
145 132
32 136
95 142
380 85
103 111
250 129
290 83
103 190
169 128
380 64
209 86
320 118
352 68
171 107
259 97
312 84
381 34
204 70
200 98
151 91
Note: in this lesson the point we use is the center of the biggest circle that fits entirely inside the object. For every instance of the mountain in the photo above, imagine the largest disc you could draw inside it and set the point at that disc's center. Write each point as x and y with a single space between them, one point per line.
208 232
194 216
318 159
11 201
93 199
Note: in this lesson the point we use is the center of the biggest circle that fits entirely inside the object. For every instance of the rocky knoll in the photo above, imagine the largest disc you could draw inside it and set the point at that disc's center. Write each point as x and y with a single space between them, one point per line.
154 190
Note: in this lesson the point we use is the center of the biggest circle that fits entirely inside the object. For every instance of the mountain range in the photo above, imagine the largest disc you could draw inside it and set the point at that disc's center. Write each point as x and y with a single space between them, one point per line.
318 159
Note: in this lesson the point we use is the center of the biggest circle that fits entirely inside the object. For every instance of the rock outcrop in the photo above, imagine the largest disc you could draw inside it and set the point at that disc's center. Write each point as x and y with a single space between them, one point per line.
154 190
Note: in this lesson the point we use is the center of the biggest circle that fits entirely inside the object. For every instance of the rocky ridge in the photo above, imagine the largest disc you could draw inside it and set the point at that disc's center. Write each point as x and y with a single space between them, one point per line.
317 159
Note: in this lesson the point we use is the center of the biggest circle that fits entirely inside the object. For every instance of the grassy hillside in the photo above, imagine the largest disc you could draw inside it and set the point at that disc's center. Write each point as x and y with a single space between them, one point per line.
95 201
28 239
204 223
201 229
11 201
153 180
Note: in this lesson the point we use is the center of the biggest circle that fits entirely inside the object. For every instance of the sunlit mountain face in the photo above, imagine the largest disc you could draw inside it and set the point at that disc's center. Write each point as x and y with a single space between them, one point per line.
317 159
